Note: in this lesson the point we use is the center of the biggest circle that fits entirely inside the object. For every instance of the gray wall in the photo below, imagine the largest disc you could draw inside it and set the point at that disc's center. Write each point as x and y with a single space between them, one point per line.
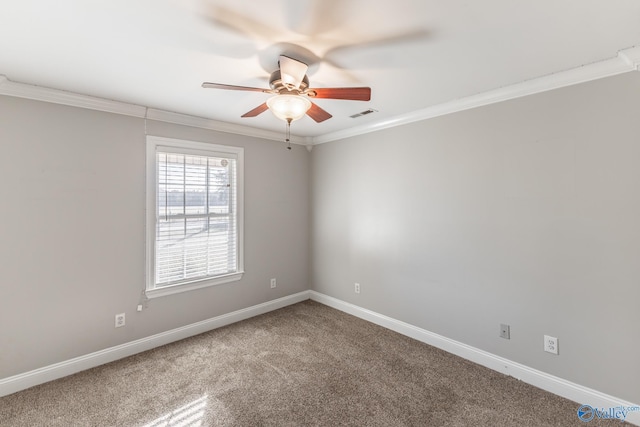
72 192
525 212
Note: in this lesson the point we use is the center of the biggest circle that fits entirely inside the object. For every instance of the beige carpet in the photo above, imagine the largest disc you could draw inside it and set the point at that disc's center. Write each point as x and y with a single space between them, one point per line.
304 365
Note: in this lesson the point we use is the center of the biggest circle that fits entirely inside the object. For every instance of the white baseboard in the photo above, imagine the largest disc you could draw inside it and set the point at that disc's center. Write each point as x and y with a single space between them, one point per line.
553 384
58 370
550 383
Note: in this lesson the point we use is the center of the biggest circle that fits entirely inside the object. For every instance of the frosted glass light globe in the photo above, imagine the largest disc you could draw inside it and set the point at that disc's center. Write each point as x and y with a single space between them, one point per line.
289 107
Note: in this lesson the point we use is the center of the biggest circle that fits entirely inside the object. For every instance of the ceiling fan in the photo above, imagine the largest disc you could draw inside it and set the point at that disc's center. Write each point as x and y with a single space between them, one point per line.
290 85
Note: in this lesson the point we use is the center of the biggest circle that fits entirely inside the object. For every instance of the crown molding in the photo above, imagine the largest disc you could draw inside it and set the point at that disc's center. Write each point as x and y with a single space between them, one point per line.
201 122
631 56
56 96
627 60
40 93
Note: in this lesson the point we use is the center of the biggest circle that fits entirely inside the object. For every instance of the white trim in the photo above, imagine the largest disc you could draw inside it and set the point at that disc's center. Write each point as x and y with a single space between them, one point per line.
58 370
200 122
155 143
550 383
191 286
626 61
56 96
531 376
631 56
40 93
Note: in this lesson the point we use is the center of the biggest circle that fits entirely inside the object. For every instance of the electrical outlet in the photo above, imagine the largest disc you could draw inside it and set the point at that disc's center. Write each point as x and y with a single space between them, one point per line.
120 320
139 307
357 288
551 344
505 331
273 283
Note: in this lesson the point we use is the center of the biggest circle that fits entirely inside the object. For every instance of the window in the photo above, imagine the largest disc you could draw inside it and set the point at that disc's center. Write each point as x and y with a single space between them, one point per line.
194 215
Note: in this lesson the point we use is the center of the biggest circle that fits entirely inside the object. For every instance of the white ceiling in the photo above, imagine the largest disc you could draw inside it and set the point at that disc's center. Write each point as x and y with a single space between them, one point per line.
414 54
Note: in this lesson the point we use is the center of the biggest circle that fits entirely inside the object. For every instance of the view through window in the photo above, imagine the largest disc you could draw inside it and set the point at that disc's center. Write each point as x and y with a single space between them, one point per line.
196 214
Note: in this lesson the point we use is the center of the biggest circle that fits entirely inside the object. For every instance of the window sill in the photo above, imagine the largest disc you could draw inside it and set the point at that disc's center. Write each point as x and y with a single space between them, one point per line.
185 287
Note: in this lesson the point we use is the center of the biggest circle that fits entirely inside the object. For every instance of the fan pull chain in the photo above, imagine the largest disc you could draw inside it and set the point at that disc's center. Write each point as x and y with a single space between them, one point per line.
288 134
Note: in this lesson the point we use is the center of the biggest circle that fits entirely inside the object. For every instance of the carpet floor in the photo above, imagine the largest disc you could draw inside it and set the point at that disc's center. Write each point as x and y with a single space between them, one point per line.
303 365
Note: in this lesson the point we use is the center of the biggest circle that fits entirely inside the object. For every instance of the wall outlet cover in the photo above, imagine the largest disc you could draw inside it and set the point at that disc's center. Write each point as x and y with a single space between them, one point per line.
505 331
551 344
120 320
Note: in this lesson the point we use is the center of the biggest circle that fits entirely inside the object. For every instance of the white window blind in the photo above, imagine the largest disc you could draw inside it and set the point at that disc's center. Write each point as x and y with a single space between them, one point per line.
196 221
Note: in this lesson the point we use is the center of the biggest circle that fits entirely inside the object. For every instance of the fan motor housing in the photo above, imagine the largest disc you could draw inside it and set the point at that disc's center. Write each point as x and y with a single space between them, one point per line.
275 82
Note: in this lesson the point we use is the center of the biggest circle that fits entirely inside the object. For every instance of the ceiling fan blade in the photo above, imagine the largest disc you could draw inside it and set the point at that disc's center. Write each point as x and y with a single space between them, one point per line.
208 85
318 114
351 93
292 71
258 110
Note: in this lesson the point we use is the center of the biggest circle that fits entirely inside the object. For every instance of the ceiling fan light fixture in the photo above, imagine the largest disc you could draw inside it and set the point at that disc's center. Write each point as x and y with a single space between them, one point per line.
289 107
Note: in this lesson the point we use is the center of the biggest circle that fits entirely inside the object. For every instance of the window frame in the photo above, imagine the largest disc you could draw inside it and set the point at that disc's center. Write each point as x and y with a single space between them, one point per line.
155 144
